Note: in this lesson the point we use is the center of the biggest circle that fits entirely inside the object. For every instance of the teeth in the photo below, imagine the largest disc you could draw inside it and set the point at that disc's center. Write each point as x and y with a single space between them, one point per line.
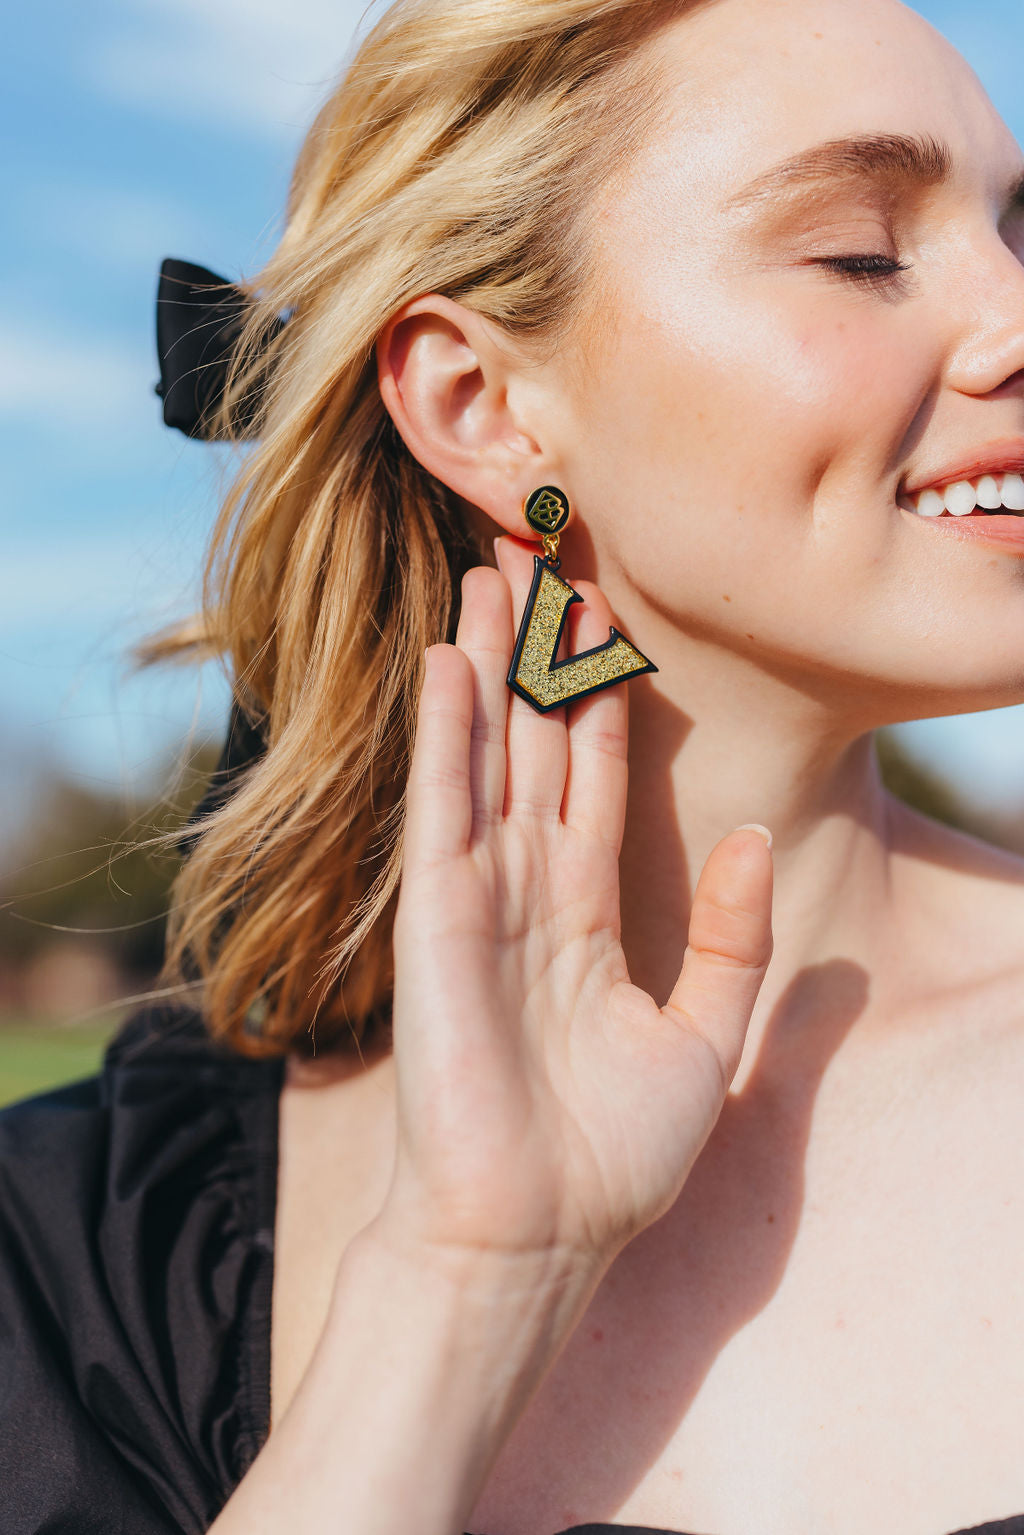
961 498
990 492
1013 492
930 504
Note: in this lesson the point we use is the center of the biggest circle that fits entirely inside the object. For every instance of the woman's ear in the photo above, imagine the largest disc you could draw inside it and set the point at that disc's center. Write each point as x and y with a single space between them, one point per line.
448 384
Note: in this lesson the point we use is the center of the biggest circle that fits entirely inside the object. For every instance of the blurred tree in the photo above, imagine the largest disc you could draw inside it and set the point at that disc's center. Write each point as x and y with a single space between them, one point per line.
79 866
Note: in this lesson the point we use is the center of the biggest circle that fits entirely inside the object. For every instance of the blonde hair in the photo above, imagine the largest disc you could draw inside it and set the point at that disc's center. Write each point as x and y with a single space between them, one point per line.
457 154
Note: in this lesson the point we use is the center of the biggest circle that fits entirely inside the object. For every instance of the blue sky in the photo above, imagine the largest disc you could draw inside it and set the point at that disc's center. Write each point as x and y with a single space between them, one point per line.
134 129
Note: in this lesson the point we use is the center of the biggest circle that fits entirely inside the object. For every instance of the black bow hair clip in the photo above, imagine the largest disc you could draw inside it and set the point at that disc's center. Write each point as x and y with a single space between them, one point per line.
199 318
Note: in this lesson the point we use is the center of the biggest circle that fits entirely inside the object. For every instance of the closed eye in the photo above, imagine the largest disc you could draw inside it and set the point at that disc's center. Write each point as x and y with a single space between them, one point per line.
863 268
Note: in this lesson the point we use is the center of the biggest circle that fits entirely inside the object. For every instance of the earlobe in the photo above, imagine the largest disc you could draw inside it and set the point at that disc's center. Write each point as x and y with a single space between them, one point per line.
444 380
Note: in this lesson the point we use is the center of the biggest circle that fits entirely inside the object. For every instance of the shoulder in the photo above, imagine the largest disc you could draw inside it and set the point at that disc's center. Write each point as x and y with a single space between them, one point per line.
136 1235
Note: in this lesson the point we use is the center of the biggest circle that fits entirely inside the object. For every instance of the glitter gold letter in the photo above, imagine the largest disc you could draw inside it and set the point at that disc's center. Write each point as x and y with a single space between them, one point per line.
535 674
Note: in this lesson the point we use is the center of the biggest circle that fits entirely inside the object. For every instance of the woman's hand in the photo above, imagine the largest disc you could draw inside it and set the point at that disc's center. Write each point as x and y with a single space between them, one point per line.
547 1108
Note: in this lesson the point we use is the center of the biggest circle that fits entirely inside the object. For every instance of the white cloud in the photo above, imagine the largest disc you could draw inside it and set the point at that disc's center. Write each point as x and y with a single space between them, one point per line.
244 64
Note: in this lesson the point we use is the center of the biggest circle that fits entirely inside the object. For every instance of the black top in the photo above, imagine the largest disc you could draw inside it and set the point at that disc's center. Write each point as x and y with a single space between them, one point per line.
136 1237
136 1260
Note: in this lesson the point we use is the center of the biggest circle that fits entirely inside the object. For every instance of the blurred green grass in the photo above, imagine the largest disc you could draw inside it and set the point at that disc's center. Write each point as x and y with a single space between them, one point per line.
35 1056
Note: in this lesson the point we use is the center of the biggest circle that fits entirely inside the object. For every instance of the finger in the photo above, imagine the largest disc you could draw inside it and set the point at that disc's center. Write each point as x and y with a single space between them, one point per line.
538 746
595 790
730 944
439 804
485 636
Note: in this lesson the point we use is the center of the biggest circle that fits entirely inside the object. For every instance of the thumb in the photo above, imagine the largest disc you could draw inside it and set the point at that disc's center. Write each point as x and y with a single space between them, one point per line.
729 945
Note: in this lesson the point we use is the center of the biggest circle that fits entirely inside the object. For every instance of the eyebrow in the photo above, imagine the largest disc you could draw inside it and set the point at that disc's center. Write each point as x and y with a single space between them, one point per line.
887 159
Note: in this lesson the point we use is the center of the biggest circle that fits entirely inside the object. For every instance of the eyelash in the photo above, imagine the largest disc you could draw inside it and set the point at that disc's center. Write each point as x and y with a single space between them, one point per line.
874 268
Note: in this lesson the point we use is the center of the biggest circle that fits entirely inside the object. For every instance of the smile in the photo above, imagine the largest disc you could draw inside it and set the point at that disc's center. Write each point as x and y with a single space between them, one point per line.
964 498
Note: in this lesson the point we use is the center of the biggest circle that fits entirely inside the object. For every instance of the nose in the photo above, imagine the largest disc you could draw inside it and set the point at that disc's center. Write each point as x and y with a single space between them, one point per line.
987 357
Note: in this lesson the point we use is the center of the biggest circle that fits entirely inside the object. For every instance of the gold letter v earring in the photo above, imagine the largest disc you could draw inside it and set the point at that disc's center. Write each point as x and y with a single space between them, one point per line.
535 674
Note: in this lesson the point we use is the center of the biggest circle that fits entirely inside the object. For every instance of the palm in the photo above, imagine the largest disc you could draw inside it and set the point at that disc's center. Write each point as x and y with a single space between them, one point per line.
543 1099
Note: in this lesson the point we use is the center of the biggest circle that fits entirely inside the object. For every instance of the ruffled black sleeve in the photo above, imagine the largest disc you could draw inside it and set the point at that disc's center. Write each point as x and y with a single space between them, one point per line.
136 1265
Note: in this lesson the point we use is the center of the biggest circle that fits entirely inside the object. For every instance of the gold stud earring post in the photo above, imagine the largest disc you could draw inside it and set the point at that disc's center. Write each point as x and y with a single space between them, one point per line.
548 511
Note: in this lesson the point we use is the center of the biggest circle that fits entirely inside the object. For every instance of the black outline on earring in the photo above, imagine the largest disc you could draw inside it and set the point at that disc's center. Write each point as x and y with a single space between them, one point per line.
614 634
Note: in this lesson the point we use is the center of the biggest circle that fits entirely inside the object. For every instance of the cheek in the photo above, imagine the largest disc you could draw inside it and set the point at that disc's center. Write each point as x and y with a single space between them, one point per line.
713 428
738 460
738 473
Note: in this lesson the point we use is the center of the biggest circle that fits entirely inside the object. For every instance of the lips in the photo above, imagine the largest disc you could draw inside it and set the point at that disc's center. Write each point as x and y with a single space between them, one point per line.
996 459
992 529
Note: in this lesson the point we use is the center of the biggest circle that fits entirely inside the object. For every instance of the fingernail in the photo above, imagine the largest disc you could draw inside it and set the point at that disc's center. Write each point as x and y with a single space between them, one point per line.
497 552
762 831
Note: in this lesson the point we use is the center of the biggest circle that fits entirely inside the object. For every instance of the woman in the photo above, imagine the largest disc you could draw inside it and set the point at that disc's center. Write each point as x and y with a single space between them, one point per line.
567 1235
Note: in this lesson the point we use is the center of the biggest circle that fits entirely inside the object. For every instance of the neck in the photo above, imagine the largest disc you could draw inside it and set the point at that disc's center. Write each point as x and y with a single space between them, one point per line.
770 755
